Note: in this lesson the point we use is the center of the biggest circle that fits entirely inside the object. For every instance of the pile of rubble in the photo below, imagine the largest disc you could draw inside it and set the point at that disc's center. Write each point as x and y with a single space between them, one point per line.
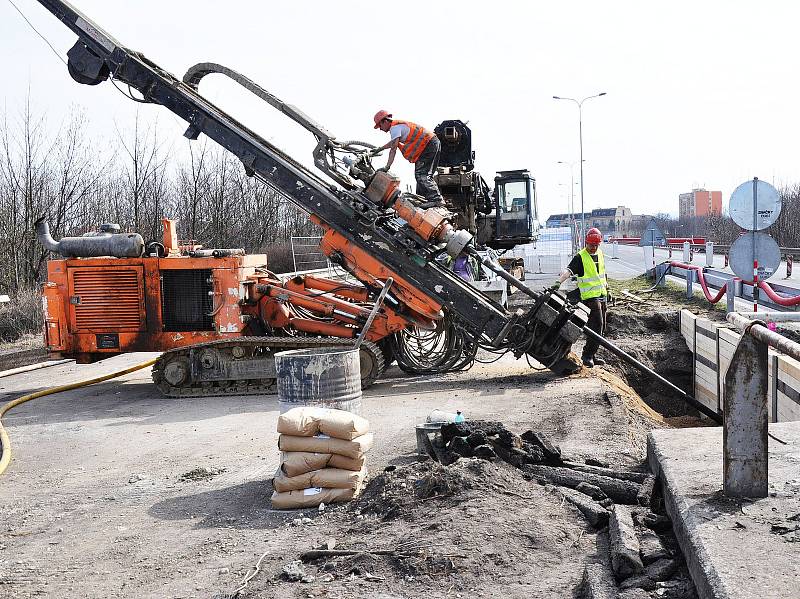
643 557
643 553
597 487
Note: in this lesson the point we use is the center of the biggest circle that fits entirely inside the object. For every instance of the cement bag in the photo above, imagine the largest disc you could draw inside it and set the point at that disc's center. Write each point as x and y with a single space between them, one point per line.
328 478
310 497
308 421
295 463
323 444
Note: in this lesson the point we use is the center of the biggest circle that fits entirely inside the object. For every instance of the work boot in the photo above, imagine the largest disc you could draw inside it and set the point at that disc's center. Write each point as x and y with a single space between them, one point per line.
588 362
598 361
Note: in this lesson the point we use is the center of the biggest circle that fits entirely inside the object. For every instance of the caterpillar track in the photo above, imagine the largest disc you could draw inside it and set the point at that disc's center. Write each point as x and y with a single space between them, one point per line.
244 365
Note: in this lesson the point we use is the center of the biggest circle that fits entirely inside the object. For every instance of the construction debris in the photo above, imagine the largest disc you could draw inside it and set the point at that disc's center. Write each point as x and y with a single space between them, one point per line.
651 547
624 548
597 583
595 513
620 491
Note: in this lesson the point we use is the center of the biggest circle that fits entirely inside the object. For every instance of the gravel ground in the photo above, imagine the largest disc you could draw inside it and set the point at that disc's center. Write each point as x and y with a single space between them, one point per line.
114 491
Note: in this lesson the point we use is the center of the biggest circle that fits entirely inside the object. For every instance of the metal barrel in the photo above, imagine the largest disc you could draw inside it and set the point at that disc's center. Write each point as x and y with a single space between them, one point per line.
323 377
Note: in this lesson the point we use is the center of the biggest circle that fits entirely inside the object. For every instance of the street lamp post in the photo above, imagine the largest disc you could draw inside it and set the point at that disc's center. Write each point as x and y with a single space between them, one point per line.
580 141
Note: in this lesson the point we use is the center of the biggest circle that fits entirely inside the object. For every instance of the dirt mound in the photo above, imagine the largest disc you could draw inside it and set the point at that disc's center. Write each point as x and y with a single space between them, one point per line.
401 493
656 341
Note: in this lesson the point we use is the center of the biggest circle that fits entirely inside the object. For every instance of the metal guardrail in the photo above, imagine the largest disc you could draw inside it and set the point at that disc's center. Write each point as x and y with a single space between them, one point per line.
717 279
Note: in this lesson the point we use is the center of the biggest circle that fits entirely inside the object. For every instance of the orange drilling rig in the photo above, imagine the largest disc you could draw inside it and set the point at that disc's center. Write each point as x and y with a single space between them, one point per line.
220 315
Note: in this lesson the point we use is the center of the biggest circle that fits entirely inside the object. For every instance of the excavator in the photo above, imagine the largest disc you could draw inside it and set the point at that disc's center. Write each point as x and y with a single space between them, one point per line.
219 315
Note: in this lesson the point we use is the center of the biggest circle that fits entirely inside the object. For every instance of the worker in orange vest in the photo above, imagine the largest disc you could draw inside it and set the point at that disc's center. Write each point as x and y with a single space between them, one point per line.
420 147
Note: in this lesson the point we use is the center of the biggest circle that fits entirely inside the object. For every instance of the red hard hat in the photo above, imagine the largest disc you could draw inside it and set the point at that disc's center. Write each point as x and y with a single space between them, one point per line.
594 236
380 115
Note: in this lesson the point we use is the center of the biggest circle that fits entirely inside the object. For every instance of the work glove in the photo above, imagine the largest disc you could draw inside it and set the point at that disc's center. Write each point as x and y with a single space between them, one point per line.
384 169
554 287
375 151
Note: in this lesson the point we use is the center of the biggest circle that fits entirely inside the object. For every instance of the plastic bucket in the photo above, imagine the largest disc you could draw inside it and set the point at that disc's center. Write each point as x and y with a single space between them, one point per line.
323 377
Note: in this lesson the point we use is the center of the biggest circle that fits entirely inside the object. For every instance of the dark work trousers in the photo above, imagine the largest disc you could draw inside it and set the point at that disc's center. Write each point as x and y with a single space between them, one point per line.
424 168
597 322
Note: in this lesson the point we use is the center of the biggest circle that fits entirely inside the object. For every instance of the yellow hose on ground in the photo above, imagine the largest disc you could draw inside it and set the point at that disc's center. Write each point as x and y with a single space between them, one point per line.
5 441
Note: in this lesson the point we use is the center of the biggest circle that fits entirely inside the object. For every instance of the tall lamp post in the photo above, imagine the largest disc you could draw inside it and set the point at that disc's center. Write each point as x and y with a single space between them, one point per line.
580 140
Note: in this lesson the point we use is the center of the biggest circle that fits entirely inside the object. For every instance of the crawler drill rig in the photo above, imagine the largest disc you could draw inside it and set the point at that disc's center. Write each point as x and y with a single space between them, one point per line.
371 229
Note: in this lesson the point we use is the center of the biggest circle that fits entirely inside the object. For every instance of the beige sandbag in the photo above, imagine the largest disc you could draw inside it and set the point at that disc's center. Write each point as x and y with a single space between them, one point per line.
310 497
307 421
355 448
294 463
328 478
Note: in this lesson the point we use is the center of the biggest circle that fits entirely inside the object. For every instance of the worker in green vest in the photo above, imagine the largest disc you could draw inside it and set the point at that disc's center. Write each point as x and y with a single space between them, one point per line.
589 269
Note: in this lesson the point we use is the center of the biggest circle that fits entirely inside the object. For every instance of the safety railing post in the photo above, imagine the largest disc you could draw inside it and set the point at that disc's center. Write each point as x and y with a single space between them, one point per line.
745 453
690 274
661 280
730 297
789 260
709 254
687 252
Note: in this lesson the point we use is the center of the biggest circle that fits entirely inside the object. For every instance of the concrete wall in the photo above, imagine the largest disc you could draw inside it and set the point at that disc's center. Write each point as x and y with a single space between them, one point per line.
713 345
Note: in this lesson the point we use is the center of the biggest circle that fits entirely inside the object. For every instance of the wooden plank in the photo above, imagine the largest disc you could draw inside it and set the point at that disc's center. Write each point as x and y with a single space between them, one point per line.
703 371
790 366
708 377
705 398
708 386
788 380
706 328
709 353
687 327
788 410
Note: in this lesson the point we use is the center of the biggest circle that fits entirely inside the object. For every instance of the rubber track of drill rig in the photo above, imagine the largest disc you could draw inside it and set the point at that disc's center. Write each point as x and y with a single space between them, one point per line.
262 349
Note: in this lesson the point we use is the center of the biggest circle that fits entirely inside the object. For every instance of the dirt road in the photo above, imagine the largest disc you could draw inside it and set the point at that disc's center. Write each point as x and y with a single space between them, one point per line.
115 491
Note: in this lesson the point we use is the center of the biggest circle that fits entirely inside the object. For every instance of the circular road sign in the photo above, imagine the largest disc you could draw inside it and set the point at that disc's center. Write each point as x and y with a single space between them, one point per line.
768 207
767 253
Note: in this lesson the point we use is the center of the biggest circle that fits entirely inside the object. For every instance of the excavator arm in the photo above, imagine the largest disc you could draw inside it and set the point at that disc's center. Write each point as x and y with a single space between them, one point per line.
371 229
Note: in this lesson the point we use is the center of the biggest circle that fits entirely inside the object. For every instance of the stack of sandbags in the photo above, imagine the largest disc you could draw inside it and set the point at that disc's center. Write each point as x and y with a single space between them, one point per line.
323 457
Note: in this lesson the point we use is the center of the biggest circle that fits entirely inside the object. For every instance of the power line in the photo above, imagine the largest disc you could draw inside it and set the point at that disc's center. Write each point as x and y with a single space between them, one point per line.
61 58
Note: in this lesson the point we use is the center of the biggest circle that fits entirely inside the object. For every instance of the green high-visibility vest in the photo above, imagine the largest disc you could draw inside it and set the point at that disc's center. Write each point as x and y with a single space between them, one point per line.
593 282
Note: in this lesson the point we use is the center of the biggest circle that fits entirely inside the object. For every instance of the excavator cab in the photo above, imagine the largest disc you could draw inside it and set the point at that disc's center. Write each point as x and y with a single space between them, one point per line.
516 218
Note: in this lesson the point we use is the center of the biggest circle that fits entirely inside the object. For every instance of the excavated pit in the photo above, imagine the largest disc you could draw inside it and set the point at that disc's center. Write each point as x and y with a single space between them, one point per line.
655 340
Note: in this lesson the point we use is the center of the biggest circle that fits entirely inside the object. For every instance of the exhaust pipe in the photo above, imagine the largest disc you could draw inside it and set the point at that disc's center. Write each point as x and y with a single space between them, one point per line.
116 245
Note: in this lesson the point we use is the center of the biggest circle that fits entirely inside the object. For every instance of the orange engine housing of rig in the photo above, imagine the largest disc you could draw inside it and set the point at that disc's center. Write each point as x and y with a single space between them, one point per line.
96 307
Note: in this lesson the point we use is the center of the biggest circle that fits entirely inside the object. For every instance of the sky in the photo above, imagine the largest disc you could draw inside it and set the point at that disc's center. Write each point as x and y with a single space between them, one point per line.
699 93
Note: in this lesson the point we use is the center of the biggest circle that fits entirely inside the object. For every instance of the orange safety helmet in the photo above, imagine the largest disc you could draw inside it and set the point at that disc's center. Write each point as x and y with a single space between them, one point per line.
380 115
594 236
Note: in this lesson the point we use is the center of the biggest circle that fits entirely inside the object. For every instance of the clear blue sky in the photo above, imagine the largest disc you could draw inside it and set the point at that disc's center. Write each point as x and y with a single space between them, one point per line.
699 93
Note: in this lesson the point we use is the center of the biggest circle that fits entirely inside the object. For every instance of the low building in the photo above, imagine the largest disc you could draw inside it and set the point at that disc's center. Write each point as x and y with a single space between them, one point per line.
611 221
699 202
565 220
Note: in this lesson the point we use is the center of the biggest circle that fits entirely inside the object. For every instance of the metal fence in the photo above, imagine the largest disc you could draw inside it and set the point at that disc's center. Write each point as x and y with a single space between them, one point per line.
306 254
551 253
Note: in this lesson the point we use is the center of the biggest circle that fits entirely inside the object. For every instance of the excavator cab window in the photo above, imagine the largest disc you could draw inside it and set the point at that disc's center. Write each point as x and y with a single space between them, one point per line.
516 217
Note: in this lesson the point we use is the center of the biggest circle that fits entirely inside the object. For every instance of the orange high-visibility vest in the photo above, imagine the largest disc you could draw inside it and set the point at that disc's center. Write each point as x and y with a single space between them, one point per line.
416 142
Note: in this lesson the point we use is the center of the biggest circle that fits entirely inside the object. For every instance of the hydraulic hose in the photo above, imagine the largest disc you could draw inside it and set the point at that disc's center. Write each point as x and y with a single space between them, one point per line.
781 301
711 298
5 441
